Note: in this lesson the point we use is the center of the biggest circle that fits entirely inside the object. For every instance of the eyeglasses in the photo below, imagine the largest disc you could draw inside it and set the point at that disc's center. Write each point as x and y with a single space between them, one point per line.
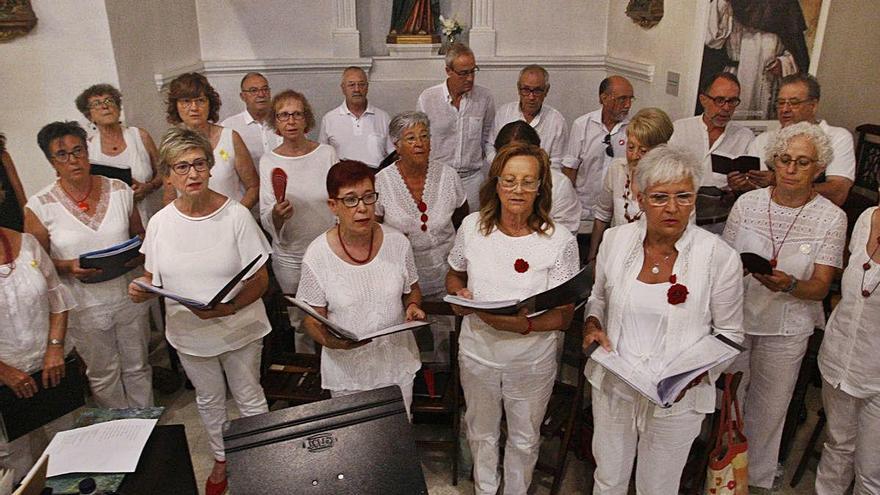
182 168
62 156
256 91
609 149
792 102
285 116
352 201
527 91
357 85
528 185
721 101
662 199
465 73
188 102
802 162
109 102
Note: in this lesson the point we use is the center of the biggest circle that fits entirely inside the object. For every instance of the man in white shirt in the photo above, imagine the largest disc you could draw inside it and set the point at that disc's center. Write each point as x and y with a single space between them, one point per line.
251 124
462 115
595 139
798 101
713 132
533 86
356 129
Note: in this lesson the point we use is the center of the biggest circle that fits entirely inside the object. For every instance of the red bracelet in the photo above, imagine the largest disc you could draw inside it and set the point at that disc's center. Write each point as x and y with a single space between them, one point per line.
530 327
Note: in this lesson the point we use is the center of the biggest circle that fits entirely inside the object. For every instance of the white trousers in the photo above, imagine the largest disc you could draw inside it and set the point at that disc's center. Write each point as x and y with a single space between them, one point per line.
241 368
851 446
625 430
405 388
113 344
523 395
770 366
471 184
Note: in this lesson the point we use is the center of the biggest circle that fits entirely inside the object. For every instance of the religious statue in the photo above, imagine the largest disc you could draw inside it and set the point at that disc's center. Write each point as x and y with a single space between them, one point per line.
645 13
17 18
414 21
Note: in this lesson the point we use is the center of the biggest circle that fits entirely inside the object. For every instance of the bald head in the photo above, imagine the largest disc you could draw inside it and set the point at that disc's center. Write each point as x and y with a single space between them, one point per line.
616 97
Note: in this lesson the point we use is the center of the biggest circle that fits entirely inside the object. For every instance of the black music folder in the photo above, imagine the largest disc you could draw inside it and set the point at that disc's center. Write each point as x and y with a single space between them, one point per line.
21 416
351 445
192 303
123 174
573 290
112 260
724 164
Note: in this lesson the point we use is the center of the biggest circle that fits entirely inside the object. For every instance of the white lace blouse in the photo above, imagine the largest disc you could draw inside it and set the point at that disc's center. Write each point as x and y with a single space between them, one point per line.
28 294
363 298
443 194
72 232
816 236
848 357
489 262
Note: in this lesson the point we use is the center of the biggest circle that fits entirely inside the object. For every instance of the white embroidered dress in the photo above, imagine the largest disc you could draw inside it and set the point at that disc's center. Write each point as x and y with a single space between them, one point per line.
443 194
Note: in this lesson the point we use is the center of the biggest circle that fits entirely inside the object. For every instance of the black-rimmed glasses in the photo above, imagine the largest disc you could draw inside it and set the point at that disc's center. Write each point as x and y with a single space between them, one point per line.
721 101
352 201
62 156
255 91
182 168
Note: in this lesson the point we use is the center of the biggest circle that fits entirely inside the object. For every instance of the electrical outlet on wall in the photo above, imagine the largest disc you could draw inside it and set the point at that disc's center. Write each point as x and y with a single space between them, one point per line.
672 79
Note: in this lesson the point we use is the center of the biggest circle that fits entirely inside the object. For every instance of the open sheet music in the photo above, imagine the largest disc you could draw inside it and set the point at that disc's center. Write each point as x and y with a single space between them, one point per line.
112 260
347 334
663 389
573 290
201 305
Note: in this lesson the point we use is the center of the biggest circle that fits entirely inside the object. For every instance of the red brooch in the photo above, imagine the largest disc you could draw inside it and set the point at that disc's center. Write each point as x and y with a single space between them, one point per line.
521 265
677 293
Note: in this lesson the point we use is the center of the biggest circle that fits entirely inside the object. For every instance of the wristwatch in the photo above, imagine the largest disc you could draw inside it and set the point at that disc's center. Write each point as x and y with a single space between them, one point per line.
56 341
791 287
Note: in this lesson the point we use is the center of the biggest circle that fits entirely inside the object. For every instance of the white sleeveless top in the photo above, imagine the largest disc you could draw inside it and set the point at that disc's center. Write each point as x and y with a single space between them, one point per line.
224 177
133 157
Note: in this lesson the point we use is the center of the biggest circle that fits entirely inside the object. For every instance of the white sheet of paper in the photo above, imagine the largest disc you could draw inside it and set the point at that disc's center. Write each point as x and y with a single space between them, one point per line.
109 447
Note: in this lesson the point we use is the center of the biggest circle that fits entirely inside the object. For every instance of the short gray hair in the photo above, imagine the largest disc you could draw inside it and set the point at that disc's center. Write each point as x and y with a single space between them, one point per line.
813 133
667 163
177 141
534 68
404 121
455 51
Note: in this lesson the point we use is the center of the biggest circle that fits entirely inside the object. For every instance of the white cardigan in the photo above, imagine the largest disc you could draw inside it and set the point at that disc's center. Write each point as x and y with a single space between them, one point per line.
709 268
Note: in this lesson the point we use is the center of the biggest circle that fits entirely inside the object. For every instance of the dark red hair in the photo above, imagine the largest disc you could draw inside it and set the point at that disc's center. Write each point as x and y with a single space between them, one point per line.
347 173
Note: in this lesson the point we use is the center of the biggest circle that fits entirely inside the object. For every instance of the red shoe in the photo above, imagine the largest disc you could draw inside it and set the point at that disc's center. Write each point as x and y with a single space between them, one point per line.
212 488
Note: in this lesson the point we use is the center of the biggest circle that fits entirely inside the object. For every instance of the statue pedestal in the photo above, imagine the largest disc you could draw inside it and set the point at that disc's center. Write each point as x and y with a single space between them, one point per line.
413 50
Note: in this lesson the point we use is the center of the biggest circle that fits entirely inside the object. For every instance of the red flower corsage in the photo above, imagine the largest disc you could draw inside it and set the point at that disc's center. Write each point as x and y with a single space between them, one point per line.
521 265
677 293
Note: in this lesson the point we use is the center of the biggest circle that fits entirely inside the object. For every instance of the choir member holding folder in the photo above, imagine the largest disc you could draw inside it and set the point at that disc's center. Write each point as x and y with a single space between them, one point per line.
362 276
76 214
510 249
662 285
34 305
802 234
194 247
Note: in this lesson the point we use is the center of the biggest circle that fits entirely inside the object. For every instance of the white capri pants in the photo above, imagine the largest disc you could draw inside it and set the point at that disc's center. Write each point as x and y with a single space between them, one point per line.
770 366
242 372
852 443
405 388
523 394
626 429
113 342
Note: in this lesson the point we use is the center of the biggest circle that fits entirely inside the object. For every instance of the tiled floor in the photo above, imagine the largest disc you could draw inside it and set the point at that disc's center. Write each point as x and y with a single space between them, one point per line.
435 463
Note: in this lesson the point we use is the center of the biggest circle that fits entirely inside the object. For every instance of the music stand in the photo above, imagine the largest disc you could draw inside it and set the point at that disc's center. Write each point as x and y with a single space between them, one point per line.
355 444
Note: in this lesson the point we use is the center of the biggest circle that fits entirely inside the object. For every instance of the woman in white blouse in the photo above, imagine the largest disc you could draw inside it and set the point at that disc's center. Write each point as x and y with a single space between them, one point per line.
120 146
565 208
802 234
851 371
510 249
33 308
362 276
193 247
617 204
302 214
194 103
76 214
661 285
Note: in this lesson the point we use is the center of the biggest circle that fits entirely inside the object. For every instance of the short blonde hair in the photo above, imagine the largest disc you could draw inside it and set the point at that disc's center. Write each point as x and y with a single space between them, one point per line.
177 141
490 204
651 126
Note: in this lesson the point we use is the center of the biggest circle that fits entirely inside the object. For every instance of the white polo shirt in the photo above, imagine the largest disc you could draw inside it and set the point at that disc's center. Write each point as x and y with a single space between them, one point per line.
363 138
549 124
257 136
